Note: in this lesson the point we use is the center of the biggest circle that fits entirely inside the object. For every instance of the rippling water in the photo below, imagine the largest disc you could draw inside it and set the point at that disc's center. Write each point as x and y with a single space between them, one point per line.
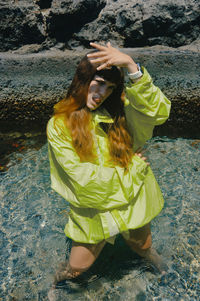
32 242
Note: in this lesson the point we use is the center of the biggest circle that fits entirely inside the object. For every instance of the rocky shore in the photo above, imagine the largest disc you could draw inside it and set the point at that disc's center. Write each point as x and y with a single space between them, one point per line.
32 83
41 42
36 25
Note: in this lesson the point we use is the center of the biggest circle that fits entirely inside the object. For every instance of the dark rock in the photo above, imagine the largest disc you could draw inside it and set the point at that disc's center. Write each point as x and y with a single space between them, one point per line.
133 23
21 23
68 16
44 3
126 23
100 30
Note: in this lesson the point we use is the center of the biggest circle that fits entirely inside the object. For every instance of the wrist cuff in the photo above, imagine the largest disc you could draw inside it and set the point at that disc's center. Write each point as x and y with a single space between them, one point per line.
137 74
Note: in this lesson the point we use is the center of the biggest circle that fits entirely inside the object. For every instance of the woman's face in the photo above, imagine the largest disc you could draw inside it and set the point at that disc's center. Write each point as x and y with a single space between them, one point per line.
99 90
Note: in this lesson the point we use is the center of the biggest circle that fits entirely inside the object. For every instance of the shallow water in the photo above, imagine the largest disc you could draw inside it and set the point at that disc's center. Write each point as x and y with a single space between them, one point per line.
32 242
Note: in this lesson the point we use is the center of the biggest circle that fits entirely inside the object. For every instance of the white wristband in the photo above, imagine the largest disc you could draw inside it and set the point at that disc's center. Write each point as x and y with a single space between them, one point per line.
135 75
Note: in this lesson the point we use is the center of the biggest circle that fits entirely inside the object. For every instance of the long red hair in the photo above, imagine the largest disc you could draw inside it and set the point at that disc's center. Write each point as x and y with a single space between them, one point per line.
78 117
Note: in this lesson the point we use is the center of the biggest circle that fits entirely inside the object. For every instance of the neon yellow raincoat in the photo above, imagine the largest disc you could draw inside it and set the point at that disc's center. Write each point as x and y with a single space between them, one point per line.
106 200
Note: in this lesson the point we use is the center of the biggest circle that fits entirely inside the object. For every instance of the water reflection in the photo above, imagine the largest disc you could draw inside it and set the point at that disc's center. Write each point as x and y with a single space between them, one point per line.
32 241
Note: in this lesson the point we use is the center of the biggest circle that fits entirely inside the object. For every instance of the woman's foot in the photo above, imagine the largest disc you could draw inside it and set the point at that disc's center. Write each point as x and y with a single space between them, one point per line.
64 272
152 255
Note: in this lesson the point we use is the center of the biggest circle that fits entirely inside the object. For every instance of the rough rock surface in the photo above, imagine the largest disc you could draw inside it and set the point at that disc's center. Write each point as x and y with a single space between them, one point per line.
68 16
71 24
140 23
32 83
21 23
39 40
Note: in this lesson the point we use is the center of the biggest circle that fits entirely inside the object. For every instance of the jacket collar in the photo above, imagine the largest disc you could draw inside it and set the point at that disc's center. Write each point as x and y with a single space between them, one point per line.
101 115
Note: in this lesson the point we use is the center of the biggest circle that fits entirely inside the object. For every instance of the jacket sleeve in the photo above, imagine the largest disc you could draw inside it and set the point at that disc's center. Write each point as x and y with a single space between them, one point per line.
89 185
146 107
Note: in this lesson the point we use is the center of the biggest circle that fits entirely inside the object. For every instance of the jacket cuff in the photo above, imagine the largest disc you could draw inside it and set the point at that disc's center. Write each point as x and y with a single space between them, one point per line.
146 78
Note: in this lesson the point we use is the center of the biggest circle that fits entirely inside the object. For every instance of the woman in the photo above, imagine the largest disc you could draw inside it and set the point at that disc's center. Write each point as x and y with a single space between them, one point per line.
93 138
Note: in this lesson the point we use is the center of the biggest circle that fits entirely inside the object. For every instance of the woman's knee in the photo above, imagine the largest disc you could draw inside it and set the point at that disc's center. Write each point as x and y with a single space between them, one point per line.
83 256
140 238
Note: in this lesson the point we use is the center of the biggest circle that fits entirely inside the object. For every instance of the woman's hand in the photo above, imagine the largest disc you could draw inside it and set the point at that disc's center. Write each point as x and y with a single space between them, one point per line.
107 56
140 154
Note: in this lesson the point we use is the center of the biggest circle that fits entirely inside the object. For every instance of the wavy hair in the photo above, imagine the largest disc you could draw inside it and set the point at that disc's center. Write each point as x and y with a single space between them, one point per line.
77 116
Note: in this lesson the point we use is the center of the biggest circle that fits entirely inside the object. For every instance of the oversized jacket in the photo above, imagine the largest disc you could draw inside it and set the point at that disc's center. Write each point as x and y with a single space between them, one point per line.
105 199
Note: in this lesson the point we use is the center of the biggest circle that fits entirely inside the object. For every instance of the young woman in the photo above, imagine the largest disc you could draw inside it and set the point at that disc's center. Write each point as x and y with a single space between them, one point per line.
93 140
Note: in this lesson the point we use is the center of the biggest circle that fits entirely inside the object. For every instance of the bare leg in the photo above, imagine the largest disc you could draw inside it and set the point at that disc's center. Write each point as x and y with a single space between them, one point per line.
82 256
140 241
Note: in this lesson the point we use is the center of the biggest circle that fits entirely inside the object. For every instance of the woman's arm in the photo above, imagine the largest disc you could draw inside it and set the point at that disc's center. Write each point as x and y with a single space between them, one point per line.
146 105
148 99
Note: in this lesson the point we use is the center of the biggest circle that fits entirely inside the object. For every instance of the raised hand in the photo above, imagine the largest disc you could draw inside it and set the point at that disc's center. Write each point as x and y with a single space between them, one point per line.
108 56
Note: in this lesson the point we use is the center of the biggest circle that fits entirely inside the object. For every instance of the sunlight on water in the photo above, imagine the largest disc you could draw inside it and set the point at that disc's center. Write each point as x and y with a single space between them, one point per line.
32 241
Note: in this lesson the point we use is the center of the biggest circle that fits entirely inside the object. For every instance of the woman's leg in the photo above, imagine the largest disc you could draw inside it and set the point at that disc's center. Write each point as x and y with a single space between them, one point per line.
140 241
81 258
